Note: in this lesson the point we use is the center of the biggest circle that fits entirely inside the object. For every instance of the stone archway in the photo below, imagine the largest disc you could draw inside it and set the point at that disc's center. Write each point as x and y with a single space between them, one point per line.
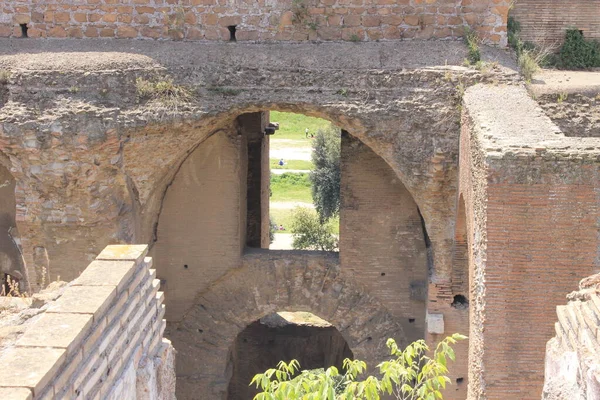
284 336
271 281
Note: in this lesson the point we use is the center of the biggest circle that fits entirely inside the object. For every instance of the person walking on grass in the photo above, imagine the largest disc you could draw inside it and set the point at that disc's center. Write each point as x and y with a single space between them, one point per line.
306 133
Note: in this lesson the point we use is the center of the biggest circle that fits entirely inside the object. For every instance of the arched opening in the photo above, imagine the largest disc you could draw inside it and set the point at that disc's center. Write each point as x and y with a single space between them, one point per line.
217 208
11 262
211 234
283 336
304 201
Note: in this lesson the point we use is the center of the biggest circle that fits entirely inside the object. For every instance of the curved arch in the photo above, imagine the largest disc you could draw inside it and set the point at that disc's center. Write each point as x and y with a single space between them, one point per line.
282 336
269 282
199 131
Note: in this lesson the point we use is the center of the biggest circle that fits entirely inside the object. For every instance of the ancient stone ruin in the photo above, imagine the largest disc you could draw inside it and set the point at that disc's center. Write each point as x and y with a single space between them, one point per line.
572 355
468 204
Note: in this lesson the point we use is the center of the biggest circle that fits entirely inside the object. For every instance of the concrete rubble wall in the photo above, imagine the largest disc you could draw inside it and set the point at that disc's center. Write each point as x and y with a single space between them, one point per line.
272 281
102 338
299 20
572 369
532 195
95 164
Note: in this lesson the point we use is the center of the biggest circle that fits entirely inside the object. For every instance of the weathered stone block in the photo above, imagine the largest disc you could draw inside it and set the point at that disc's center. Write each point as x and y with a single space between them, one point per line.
435 324
106 273
15 394
30 367
60 330
84 300
133 252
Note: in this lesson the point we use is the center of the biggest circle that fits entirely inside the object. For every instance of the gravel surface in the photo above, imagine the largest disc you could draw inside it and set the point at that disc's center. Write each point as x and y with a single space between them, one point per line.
98 54
553 81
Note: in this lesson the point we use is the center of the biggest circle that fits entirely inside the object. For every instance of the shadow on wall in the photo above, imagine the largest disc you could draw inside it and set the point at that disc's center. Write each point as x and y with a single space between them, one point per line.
11 262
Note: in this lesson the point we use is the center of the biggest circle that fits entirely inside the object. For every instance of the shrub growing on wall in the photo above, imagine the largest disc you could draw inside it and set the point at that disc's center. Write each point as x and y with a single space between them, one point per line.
310 233
408 375
577 53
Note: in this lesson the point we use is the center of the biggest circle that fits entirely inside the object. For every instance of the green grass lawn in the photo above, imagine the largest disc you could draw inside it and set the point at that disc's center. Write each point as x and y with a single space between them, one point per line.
291 187
292 164
293 126
281 217
284 217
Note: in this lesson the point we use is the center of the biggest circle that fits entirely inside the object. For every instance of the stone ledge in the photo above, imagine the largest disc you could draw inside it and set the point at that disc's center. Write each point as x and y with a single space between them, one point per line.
84 300
106 273
30 367
49 358
15 394
133 252
61 330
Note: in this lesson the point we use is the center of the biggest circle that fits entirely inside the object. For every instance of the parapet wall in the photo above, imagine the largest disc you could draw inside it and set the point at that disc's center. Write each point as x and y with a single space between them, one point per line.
264 20
532 192
102 338
572 356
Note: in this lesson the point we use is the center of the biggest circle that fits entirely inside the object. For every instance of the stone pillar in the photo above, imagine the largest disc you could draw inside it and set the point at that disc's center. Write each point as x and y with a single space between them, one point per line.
382 241
252 126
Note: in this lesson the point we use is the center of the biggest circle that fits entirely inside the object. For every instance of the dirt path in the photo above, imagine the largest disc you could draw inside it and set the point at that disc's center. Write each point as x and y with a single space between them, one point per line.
288 205
291 171
554 81
283 241
291 153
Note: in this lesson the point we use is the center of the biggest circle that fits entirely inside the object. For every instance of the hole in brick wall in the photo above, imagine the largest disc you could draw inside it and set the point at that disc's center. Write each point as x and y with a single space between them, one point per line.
411 320
200 331
581 31
460 302
185 266
232 29
459 380
383 274
24 29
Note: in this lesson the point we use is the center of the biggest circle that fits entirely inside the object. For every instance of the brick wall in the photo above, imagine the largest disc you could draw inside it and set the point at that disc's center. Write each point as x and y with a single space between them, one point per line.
542 238
547 20
535 204
92 341
201 228
381 236
255 20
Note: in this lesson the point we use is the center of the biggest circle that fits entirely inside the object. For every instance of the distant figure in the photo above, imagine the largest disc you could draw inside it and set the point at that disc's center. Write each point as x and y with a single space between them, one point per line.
306 133
312 135
281 228
281 162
